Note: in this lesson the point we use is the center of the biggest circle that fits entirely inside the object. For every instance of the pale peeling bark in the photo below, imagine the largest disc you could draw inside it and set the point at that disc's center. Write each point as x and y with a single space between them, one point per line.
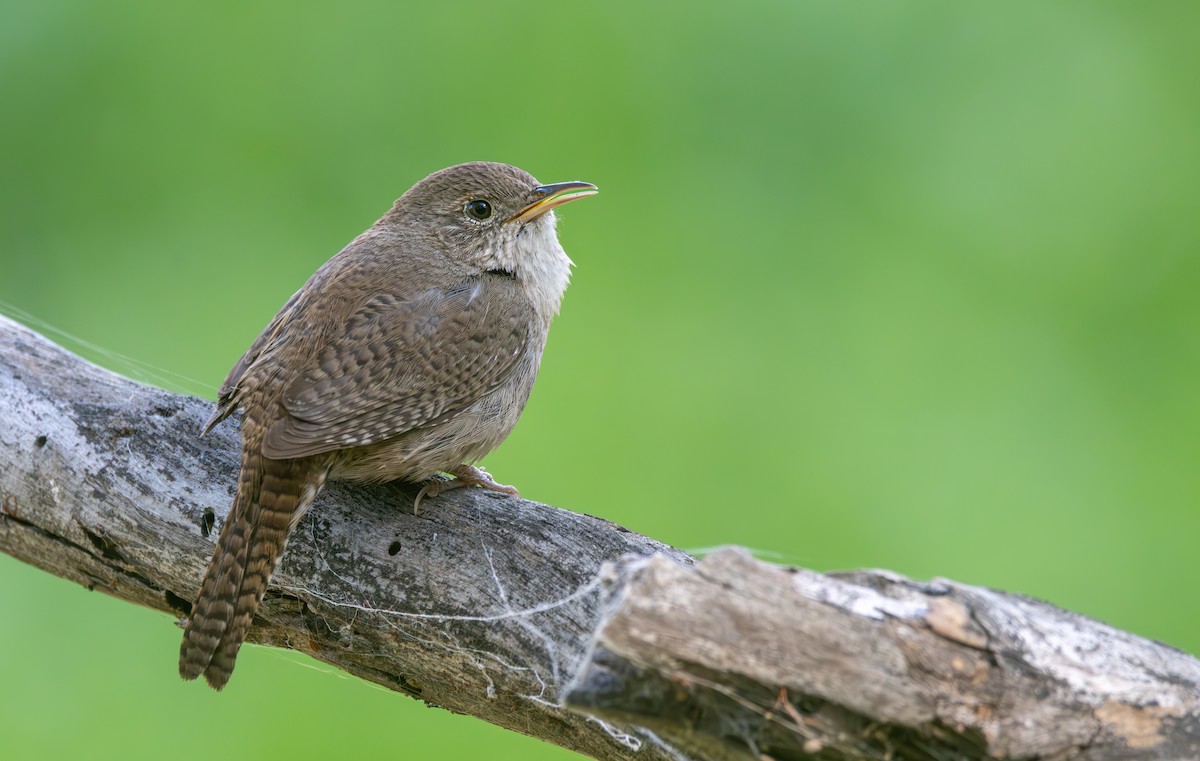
739 659
568 627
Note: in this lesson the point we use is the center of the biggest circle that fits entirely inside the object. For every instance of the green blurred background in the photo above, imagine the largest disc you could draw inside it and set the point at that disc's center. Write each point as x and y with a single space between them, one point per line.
910 286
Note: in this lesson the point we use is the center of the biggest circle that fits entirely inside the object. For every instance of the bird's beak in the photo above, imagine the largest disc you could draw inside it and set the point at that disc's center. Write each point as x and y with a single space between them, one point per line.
551 197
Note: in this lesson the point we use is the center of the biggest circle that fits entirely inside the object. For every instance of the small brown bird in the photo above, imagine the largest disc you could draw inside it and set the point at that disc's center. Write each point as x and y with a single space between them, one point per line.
410 353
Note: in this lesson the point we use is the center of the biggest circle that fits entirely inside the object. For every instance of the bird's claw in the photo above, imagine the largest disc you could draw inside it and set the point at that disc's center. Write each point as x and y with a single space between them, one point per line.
464 475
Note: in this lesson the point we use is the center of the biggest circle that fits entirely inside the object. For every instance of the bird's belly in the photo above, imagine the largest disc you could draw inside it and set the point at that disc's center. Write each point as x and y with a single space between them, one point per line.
463 439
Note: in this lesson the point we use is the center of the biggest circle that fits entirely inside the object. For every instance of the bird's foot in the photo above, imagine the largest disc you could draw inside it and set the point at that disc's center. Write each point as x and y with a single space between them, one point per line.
464 475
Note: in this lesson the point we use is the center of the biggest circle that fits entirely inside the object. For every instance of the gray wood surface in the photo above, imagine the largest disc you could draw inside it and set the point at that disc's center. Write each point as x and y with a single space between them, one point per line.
568 627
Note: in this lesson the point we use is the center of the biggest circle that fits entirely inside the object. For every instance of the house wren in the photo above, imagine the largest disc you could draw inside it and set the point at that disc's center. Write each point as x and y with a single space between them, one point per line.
410 353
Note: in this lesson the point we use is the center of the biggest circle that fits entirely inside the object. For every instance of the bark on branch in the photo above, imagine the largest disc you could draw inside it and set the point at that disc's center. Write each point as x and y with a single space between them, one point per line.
568 627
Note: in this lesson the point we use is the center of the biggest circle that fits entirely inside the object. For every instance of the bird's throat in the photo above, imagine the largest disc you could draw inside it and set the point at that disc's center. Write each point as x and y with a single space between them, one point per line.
540 264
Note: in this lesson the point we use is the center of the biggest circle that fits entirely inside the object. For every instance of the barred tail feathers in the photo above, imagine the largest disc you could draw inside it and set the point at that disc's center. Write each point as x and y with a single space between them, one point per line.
272 496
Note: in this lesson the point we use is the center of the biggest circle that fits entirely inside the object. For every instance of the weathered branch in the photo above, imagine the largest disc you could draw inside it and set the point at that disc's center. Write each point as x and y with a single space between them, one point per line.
568 627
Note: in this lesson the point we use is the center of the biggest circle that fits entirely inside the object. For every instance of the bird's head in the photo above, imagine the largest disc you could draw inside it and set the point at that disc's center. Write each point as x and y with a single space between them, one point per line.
496 218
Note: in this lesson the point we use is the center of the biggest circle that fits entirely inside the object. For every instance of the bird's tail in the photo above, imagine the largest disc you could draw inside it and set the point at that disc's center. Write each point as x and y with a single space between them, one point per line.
271 497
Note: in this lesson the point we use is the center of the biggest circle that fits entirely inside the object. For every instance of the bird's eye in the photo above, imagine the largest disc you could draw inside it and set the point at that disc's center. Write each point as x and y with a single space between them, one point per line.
479 209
